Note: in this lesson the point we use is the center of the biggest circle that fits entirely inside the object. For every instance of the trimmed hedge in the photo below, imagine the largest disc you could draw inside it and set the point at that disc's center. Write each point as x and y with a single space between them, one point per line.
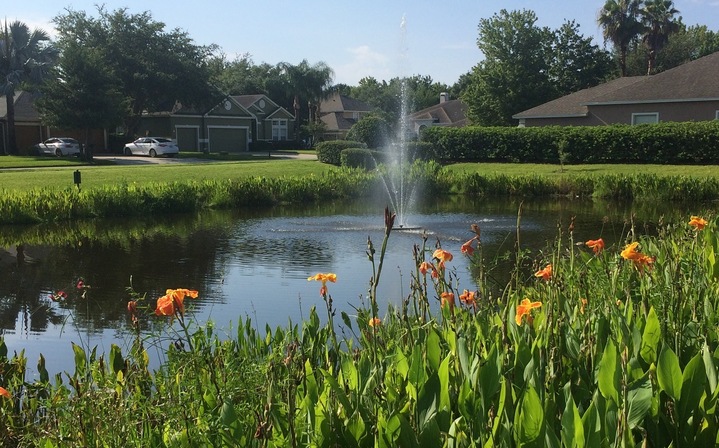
330 152
663 143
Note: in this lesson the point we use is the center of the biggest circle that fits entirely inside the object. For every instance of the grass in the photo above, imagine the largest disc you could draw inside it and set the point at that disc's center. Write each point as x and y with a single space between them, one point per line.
522 169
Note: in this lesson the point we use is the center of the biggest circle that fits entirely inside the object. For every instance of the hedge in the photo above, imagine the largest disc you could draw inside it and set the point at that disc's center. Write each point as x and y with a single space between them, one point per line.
330 152
663 143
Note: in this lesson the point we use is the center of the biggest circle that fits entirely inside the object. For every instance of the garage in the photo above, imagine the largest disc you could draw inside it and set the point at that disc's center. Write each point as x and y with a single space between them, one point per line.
228 139
187 138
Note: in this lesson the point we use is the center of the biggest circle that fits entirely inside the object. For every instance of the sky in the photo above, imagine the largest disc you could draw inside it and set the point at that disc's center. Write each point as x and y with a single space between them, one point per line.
379 38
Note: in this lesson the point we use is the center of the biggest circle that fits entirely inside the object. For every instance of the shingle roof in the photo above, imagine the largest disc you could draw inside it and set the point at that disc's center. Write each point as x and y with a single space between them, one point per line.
336 122
695 80
247 100
448 113
341 103
24 107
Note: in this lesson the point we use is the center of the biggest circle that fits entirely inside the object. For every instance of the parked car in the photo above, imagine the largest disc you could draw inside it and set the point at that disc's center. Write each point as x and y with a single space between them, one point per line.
151 146
58 146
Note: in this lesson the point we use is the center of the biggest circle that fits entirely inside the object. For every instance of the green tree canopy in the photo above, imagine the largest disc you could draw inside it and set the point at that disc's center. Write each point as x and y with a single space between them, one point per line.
372 130
576 62
619 20
154 68
659 20
25 57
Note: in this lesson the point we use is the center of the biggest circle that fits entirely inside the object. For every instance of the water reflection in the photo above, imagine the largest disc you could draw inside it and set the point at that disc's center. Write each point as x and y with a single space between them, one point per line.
254 263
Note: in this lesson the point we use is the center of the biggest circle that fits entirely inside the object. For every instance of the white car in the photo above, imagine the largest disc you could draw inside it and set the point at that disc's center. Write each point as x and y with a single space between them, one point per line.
59 146
151 146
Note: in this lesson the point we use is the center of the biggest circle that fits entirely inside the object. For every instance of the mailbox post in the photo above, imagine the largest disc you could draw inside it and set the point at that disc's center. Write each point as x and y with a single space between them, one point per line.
77 178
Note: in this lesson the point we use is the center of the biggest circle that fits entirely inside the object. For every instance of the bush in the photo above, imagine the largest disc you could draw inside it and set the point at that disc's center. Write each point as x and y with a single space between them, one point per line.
372 130
330 152
360 158
663 143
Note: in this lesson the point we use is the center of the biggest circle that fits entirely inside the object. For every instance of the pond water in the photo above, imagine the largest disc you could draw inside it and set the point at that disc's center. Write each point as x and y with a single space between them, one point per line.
255 263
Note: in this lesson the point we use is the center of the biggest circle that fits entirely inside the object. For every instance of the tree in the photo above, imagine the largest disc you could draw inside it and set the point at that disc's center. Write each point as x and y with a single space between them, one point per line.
154 68
24 58
307 84
658 17
619 20
82 94
372 130
576 63
514 74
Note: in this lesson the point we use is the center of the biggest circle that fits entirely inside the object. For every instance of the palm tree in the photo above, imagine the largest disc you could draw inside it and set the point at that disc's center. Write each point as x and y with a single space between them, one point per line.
306 83
619 20
24 58
659 22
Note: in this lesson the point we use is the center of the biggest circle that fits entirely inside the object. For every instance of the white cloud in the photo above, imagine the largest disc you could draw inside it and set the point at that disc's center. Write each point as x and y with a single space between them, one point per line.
363 62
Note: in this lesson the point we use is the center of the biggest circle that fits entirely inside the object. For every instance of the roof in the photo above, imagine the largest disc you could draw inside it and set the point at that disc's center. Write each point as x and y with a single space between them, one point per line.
248 100
448 113
24 107
693 81
336 122
341 103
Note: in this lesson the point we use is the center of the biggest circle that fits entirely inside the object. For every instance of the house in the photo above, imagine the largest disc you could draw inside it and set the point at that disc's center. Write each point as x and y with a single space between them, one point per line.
689 92
230 126
446 113
29 129
339 113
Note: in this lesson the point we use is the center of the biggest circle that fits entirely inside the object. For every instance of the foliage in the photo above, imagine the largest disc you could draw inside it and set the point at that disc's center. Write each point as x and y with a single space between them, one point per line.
620 23
306 84
658 18
577 63
331 151
360 158
601 346
372 130
25 57
663 143
154 68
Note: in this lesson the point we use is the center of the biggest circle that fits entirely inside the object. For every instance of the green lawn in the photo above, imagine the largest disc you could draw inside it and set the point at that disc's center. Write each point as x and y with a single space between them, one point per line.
518 169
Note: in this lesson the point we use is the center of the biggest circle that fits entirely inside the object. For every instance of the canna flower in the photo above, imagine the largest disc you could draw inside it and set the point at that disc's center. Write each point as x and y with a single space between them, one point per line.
596 245
173 302
60 295
545 273
375 322
467 247
442 255
132 306
640 260
468 298
583 304
4 393
447 298
427 266
324 278
698 223
524 308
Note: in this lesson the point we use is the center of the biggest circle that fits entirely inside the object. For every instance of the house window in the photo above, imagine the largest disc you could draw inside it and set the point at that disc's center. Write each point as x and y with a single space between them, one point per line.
355 116
716 115
645 118
279 129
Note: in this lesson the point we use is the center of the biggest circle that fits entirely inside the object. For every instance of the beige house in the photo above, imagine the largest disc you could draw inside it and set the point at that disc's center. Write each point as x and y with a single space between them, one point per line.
446 113
689 92
339 113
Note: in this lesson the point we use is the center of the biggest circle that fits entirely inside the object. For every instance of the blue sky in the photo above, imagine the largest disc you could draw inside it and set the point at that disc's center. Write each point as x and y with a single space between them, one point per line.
357 39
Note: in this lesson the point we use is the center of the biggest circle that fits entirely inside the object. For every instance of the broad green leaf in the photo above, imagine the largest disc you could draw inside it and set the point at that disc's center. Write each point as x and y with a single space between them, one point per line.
710 368
591 422
639 400
489 377
530 419
44 376
349 372
228 416
346 319
651 337
608 376
693 384
80 360
116 361
463 356
433 351
669 374
443 375
572 429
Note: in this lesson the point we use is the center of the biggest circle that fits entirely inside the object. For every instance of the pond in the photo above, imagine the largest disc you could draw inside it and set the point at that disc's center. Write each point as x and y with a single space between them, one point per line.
255 263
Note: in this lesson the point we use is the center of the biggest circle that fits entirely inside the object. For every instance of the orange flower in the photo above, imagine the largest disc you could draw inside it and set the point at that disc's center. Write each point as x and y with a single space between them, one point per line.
4 393
698 223
467 247
375 322
596 245
442 255
524 308
425 266
132 306
640 260
324 278
468 298
583 304
447 298
545 273
173 301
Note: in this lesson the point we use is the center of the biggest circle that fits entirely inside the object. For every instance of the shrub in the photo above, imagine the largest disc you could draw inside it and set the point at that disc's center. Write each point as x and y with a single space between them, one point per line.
330 152
372 130
359 158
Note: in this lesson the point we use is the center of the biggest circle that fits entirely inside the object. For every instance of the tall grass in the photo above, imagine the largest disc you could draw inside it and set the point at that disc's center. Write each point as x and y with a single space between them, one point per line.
611 346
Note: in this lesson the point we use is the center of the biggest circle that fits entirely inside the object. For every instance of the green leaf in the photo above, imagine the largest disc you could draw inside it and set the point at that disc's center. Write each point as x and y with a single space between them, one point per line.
651 337
432 347
530 419
572 429
80 359
608 375
44 376
639 400
669 374
116 361
463 356
693 384
710 368
346 319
